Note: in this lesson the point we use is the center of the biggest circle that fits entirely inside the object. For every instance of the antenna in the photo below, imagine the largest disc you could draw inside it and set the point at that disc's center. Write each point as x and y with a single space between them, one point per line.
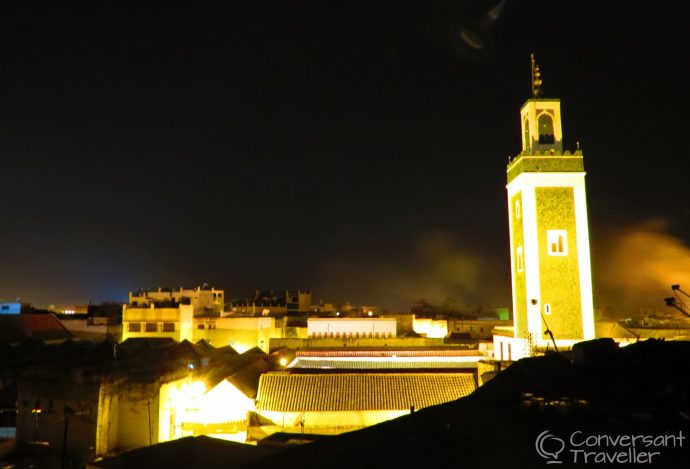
676 301
676 288
548 331
536 78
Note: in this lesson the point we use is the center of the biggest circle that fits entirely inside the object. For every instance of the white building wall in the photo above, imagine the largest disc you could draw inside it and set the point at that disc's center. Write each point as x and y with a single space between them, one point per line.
329 422
351 327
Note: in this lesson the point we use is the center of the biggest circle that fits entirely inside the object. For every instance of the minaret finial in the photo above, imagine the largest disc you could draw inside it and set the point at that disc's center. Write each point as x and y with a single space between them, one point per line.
536 78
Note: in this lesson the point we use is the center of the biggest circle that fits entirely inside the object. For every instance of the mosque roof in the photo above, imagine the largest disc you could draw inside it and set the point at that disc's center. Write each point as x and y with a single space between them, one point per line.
360 391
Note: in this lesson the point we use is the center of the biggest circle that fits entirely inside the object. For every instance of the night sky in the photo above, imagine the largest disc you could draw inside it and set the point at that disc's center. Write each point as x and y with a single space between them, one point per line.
357 149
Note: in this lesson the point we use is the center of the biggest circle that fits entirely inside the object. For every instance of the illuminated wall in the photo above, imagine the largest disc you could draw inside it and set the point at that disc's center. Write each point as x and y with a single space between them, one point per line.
188 408
549 238
136 417
221 412
559 279
179 323
203 299
517 258
175 399
241 333
297 343
477 328
153 321
113 414
327 422
431 328
351 327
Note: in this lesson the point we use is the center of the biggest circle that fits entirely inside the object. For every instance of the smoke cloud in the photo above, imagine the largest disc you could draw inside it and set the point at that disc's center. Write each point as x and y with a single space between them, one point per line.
633 270
435 266
635 267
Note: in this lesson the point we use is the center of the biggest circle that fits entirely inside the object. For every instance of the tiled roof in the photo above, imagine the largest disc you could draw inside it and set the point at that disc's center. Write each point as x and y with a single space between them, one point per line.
365 391
242 371
19 327
382 364
247 378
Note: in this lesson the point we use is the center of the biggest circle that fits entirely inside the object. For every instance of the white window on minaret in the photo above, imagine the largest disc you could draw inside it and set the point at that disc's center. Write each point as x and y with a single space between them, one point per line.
557 242
519 259
518 209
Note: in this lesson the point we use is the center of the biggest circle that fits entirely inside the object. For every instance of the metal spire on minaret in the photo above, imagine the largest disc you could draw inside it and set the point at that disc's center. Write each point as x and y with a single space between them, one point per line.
536 78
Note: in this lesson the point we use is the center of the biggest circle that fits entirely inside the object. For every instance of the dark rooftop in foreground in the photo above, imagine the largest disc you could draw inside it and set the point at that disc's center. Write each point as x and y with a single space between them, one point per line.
597 389
200 451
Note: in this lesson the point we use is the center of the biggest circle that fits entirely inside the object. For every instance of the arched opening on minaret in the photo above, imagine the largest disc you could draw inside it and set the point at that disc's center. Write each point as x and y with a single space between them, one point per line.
525 127
545 126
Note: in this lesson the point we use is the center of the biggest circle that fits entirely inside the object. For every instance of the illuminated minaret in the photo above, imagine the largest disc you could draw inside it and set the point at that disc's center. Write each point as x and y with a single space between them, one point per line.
549 236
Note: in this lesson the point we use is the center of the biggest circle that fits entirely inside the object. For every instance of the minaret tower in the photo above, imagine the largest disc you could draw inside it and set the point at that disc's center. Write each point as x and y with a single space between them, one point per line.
549 235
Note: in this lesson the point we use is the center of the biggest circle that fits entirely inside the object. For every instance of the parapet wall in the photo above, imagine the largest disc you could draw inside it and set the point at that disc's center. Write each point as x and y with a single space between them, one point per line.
392 342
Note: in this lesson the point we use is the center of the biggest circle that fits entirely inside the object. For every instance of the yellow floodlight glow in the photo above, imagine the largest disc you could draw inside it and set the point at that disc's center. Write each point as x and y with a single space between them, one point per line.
188 407
239 347
196 388
283 361
430 328
224 403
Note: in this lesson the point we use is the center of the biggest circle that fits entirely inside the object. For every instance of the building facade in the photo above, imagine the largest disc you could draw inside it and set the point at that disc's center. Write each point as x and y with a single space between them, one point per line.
274 303
351 327
172 320
10 307
168 312
206 300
